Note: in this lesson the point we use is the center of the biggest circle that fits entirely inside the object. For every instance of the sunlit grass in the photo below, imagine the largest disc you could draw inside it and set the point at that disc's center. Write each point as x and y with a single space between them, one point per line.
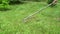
45 22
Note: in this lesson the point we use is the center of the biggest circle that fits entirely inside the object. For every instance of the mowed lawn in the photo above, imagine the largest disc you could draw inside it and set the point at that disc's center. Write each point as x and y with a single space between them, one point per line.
45 22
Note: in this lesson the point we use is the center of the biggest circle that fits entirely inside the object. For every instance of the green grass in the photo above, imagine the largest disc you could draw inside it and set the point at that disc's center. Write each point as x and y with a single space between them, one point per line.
45 22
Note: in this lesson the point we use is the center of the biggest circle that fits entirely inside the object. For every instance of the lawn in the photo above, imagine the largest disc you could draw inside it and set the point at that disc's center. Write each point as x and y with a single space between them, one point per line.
45 22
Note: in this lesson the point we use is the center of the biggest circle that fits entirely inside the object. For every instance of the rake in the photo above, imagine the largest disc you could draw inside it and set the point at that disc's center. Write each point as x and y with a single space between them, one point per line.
25 19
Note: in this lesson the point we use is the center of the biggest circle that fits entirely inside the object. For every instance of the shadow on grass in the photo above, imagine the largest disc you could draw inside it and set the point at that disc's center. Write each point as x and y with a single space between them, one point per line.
4 9
15 3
